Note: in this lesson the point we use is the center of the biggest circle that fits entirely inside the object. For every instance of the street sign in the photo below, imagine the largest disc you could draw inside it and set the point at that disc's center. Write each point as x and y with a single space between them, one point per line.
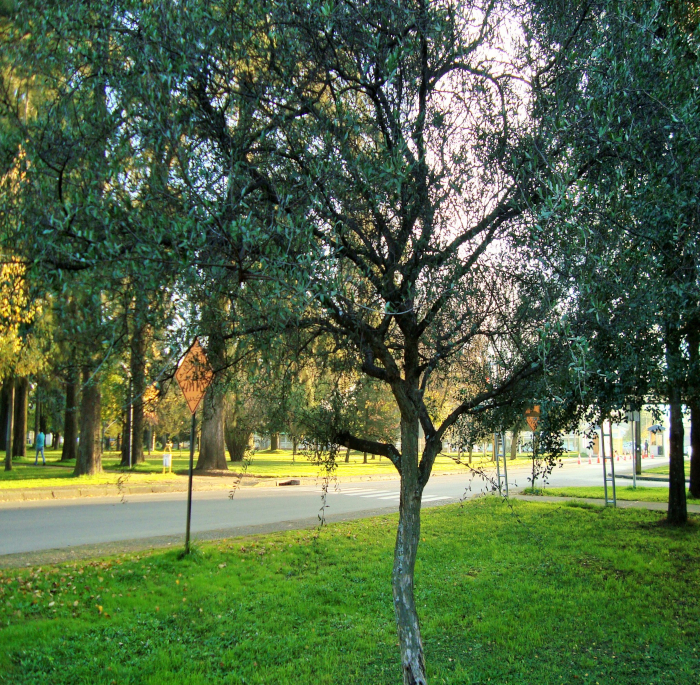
194 376
532 416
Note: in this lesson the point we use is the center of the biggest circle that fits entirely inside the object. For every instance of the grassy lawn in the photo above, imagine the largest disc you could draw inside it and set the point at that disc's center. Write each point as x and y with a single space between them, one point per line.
623 492
543 593
661 470
266 463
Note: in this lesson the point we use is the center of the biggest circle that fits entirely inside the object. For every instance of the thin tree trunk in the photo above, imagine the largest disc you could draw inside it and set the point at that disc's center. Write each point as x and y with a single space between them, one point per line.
471 452
212 451
364 458
677 506
274 442
347 456
514 444
127 429
138 377
37 414
19 440
694 405
4 393
10 423
405 551
89 461
294 449
70 423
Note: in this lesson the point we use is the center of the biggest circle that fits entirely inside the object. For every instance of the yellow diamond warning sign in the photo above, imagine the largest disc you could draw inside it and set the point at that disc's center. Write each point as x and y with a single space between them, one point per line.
532 416
194 376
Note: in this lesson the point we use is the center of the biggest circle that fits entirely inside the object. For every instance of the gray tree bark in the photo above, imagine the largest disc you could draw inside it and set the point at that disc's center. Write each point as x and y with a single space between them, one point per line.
677 505
405 552
19 440
70 422
694 405
89 460
212 451
138 377
10 423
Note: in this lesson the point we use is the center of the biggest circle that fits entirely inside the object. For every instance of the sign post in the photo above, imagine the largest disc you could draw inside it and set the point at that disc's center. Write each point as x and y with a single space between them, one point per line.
194 377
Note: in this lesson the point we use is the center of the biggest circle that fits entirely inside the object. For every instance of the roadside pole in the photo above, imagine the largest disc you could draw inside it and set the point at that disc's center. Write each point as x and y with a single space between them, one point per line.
189 485
194 377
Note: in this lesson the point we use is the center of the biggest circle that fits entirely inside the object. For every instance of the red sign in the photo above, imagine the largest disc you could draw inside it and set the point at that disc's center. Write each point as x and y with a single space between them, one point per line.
194 376
532 416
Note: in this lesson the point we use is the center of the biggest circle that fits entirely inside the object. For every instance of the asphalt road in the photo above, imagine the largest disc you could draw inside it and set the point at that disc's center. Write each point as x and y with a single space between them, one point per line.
60 524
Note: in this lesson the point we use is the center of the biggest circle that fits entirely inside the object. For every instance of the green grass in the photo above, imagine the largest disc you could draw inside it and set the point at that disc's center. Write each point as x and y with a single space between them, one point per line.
622 492
662 470
266 463
545 593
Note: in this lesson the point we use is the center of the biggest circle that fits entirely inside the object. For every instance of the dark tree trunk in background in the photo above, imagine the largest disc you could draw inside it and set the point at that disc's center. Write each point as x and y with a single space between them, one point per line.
694 406
89 459
138 376
9 426
677 506
347 456
514 444
19 441
274 441
237 441
4 415
37 413
212 452
70 422
127 430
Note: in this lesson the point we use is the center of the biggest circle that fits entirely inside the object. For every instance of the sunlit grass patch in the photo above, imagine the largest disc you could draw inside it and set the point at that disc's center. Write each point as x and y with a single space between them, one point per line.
540 593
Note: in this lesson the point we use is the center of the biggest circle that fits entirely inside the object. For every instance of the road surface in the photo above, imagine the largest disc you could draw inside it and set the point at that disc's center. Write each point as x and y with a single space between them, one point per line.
60 524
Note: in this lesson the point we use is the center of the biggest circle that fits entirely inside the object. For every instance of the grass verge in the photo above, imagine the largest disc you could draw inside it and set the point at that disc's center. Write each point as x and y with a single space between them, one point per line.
266 464
544 593
622 492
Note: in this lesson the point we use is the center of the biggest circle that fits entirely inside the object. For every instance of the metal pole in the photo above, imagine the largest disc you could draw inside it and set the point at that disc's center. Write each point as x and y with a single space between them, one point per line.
189 487
634 452
505 467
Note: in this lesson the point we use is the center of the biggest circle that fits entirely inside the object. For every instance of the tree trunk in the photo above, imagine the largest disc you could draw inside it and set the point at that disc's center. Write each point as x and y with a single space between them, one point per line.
237 441
89 461
70 423
37 414
471 453
694 405
19 440
514 444
347 456
4 415
127 430
405 551
294 449
9 428
212 452
677 507
364 458
274 442
138 377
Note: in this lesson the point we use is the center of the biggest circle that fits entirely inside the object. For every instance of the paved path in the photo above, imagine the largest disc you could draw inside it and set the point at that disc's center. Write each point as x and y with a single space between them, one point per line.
80 527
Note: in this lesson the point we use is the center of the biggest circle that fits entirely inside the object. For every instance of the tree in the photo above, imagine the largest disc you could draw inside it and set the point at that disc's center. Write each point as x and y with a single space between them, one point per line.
359 174
636 216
